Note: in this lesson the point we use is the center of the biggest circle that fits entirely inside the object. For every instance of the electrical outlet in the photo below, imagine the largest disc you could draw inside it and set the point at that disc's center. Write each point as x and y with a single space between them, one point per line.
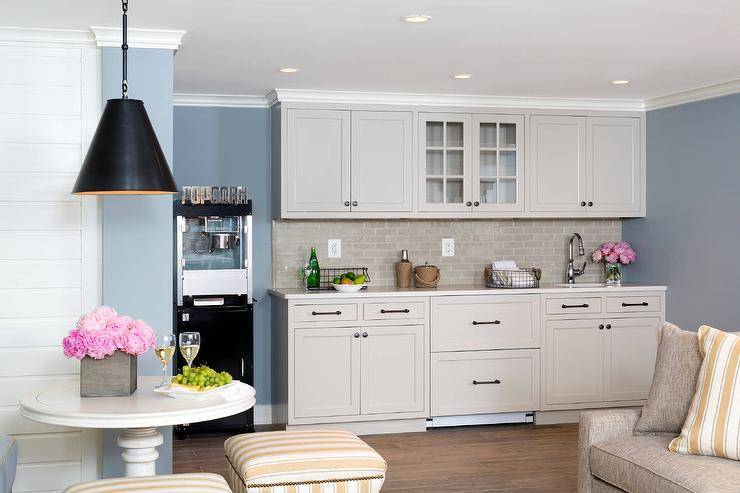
335 249
448 247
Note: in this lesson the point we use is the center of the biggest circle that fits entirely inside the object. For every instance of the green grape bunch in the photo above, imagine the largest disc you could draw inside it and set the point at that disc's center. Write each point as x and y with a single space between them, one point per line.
201 378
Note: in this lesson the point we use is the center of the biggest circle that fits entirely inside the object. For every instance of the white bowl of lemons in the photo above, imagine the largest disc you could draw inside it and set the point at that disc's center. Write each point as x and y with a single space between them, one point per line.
349 282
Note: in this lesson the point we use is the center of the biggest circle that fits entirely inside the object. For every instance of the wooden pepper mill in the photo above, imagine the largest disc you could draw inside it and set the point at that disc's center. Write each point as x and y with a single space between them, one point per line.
403 270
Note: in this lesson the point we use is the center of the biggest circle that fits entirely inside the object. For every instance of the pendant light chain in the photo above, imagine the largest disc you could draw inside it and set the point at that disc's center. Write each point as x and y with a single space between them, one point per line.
124 49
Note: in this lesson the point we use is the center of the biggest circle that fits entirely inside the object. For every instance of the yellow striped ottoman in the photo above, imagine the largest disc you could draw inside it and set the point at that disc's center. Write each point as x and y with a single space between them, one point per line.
316 461
172 483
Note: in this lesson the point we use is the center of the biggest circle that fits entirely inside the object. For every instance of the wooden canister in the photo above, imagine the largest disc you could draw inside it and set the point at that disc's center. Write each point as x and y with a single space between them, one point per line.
403 274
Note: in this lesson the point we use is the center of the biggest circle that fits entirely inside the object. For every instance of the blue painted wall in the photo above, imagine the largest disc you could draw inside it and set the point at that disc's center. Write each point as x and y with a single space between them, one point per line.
137 230
688 238
230 146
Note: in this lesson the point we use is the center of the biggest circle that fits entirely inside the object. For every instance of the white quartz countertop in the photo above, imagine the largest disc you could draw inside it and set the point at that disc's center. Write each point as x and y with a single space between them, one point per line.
457 290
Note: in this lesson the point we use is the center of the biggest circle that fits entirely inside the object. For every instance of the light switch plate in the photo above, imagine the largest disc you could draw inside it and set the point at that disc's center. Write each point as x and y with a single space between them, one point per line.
334 249
448 247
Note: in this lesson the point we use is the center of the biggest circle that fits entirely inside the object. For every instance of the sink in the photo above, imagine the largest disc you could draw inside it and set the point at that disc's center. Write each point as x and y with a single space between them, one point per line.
581 285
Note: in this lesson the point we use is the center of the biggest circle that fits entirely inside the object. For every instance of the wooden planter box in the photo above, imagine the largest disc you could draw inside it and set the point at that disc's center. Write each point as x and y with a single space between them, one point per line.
112 376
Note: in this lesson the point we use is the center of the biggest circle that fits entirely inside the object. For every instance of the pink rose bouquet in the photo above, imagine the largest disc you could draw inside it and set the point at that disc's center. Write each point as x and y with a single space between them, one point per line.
613 253
103 331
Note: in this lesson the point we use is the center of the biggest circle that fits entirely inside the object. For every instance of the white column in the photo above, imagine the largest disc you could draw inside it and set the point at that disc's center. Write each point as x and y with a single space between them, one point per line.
140 450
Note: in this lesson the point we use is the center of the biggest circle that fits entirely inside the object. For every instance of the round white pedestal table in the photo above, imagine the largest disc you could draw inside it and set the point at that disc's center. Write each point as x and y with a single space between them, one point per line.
139 415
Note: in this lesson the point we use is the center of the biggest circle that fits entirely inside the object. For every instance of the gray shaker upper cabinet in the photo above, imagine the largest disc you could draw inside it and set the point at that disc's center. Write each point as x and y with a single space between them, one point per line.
317 162
583 166
343 164
382 161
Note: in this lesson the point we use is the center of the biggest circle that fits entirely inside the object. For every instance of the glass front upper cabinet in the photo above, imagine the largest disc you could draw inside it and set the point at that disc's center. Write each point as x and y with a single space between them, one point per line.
445 149
497 143
471 162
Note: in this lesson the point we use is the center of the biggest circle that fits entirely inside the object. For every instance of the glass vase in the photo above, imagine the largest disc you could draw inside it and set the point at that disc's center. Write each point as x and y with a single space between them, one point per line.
613 274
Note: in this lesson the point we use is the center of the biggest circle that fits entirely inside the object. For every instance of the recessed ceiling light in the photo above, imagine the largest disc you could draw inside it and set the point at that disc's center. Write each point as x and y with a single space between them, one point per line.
620 82
417 18
289 70
462 76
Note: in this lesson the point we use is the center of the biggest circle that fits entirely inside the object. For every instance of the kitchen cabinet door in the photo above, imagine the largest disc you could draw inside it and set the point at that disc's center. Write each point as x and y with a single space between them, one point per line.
614 167
497 177
392 369
630 345
326 372
317 164
574 368
556 166
444 162
382 161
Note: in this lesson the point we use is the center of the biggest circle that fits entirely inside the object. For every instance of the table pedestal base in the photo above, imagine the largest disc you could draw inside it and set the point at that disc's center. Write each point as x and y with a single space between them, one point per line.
140 450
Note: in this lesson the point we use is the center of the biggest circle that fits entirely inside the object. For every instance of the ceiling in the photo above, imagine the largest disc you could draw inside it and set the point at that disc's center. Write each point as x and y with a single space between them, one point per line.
531 48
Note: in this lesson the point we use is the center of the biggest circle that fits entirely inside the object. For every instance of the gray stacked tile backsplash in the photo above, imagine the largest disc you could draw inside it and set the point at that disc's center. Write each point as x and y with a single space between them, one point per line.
377 245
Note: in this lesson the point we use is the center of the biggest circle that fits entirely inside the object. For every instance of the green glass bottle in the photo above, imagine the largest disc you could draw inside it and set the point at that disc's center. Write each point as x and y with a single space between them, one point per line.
314 275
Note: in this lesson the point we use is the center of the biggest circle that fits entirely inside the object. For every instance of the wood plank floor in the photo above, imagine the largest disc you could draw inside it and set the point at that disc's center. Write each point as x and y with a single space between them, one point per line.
502 458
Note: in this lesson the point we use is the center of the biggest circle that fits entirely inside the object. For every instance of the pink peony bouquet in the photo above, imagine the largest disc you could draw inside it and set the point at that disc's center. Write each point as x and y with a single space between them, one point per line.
103 331
613 253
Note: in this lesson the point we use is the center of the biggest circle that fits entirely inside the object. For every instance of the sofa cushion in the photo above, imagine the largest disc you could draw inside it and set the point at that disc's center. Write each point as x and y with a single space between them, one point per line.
713 423
674 381
642 464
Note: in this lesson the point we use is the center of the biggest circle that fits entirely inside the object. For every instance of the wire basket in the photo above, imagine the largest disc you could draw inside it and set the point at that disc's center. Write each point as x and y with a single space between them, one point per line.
513 279
326 275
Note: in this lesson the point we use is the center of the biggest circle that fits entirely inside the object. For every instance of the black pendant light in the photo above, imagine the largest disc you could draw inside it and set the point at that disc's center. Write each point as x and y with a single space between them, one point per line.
124 156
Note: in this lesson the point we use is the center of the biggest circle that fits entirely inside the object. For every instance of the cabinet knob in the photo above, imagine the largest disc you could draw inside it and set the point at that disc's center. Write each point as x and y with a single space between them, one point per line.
346 203
476 203
608 326
583 204
364 334
601 327
590 204
468 203
357 335
354 203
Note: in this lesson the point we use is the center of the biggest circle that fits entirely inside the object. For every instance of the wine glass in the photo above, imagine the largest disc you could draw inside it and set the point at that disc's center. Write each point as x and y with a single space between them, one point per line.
305 272
164 348
189 346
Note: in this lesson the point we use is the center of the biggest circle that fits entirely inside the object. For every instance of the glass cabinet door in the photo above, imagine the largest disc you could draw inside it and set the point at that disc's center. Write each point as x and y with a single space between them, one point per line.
445 168
497 144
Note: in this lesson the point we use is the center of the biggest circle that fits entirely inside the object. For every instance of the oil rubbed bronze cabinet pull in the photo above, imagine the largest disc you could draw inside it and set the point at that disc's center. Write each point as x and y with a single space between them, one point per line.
494 322
585 305
644 303
405 310
487 382
326 313
608 326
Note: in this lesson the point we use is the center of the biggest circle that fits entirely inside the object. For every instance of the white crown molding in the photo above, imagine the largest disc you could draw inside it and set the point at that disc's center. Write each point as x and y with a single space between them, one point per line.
222 100
38 35
392 98
699 94
164 39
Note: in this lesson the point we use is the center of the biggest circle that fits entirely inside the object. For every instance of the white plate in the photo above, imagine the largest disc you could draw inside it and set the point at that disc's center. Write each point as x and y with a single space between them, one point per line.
348 288
177 392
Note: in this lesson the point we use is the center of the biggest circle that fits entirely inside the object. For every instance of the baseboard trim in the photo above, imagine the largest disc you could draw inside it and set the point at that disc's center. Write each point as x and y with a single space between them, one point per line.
566 417
480 419
262 414
370 427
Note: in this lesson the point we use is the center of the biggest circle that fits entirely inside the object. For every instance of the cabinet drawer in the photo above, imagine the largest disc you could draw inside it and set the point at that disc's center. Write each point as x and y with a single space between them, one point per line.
479 382
410 310
632 304
323 313
566 306
485 322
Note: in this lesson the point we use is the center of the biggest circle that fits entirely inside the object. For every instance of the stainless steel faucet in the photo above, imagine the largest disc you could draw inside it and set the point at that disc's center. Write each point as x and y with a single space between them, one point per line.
571 272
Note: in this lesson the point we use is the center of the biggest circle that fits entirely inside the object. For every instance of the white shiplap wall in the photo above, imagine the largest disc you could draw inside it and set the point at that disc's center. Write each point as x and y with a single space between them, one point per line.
49 246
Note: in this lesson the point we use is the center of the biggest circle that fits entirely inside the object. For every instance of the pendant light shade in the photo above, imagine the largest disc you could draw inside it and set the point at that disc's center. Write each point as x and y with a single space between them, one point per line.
124 155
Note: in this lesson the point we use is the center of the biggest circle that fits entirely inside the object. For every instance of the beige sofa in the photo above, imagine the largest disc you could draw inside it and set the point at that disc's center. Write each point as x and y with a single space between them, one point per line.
613 458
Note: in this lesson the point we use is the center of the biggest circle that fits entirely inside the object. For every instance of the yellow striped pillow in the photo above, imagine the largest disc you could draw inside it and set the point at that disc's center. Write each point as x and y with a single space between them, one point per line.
712 426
